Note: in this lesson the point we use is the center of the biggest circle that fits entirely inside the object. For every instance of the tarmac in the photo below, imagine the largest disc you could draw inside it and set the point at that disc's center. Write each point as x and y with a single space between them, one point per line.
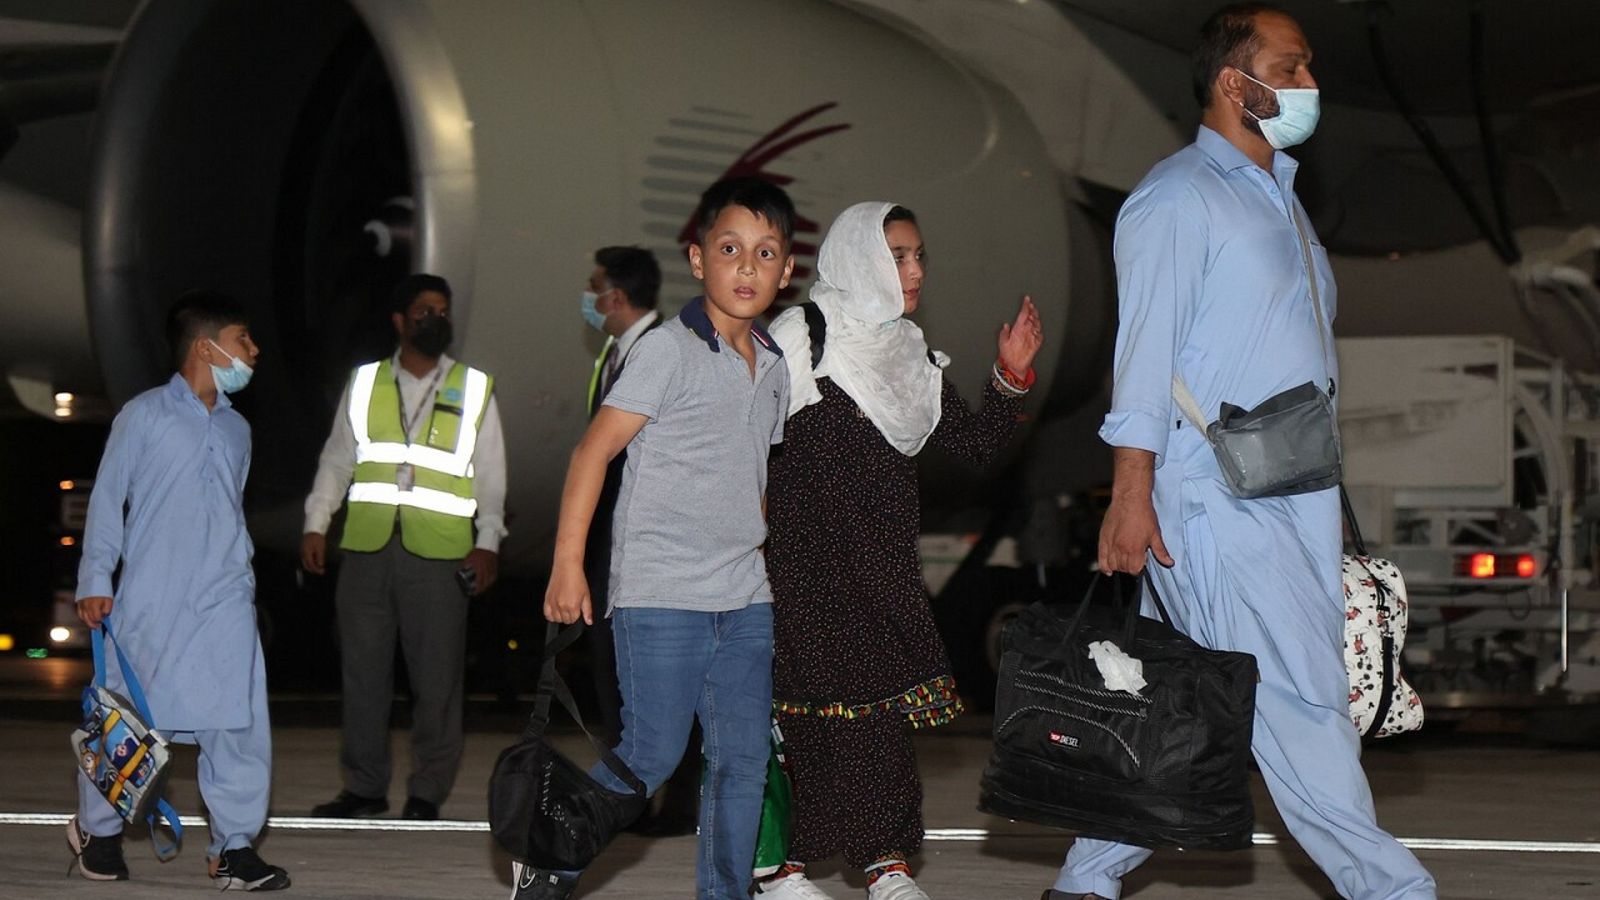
1492 817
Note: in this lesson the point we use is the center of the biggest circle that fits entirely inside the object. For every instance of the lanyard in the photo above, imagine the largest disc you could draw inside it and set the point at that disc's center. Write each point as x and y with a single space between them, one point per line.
406 421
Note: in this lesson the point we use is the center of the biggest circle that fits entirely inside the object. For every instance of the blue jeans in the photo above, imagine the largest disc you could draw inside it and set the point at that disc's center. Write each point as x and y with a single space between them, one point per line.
674 665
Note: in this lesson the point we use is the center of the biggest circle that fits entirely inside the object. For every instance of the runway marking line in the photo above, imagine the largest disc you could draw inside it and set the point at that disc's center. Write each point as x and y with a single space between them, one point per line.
442 826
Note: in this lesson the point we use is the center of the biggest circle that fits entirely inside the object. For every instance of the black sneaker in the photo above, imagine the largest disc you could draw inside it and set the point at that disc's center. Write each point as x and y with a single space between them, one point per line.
98 858
351 806
244 870
529 883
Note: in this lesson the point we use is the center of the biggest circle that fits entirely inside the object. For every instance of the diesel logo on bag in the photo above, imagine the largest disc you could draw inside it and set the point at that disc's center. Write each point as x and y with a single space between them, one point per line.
1064 740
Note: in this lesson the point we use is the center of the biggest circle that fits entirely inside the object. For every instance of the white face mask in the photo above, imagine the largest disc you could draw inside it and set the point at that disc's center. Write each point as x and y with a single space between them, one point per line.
1298 112
233 378
591 315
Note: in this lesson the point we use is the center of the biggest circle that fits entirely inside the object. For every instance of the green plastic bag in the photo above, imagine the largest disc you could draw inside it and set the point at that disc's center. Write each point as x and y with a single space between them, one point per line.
772 840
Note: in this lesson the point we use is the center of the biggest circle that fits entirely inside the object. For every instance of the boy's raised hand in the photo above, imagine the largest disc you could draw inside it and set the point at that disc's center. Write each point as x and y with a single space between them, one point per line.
567 597
1020 340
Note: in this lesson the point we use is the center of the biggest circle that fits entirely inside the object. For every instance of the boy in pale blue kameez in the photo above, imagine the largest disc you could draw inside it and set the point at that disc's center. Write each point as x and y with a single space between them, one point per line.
167 507
1213 286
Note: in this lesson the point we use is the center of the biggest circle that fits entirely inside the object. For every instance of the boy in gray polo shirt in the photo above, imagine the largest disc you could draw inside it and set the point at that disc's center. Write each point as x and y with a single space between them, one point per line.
699 405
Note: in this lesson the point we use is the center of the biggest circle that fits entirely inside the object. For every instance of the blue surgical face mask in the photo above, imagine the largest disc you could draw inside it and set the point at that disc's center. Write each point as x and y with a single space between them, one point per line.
596 320
234 377
1298 111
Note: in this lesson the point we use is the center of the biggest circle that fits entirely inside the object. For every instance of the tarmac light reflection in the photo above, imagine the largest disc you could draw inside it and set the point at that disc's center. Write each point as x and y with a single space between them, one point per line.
1260 839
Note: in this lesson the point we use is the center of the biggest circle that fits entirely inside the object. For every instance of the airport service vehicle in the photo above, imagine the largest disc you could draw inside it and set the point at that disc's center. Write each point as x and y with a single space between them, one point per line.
1471 463
1474 464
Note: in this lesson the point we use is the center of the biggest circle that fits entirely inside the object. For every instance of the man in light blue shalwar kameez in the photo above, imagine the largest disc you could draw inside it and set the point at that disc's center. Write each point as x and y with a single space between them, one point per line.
1213 286
167 507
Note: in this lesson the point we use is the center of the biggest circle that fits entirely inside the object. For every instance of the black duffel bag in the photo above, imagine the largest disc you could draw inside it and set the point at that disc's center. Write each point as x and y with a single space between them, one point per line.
544 809
1165 767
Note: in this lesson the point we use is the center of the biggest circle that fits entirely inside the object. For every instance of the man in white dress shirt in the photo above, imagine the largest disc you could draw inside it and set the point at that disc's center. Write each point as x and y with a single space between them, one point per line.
417 453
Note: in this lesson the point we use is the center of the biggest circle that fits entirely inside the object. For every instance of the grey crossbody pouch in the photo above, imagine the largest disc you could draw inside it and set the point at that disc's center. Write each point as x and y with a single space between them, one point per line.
1289 444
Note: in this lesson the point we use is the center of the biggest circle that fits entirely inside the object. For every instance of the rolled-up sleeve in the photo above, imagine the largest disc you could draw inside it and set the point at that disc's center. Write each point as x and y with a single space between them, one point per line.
1160 250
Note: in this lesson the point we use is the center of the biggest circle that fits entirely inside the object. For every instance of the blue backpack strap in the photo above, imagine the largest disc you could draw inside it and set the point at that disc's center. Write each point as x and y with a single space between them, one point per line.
97 643
135 692
164 849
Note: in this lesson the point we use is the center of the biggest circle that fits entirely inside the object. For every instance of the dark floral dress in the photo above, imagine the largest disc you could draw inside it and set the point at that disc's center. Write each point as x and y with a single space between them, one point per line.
856 652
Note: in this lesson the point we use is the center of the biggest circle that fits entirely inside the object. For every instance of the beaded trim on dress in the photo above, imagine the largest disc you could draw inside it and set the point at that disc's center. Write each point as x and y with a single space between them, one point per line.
926 705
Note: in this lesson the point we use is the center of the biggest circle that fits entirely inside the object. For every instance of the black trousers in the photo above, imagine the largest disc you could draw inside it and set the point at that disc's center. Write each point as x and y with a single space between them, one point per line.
395 595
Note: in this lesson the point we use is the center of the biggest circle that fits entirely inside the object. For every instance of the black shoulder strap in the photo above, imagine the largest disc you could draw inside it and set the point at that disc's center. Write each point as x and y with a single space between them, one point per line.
559 638
817 325
1350 518
1385 622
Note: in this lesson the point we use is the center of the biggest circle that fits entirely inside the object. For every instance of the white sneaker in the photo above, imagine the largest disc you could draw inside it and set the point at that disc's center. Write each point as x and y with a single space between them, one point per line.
895 886
794 886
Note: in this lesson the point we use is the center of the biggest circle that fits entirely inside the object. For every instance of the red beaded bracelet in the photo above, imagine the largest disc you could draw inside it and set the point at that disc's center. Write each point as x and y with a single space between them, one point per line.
1020 384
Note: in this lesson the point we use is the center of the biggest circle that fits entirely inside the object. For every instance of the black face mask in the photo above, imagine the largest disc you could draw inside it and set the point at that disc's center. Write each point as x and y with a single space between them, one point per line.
430 335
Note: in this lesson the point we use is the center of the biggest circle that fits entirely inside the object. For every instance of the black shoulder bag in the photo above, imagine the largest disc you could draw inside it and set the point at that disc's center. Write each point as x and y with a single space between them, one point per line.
545 809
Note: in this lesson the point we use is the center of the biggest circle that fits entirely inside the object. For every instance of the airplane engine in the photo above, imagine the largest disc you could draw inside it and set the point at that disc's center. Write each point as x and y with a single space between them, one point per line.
304 154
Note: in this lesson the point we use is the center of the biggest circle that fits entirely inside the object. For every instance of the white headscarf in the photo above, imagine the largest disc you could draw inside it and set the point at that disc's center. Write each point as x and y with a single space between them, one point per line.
871 351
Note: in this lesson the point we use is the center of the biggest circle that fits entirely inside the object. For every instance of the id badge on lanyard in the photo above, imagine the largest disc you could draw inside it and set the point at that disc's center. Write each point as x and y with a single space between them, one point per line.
405 475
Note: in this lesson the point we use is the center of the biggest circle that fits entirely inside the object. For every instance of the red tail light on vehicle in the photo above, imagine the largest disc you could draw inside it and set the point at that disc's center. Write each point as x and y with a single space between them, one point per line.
1497 566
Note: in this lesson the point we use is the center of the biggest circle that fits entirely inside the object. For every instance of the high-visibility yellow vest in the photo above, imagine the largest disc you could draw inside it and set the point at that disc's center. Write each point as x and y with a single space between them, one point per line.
606 349
435 510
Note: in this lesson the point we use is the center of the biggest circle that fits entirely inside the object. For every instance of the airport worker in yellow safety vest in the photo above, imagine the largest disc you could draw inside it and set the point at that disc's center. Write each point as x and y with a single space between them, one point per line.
417 457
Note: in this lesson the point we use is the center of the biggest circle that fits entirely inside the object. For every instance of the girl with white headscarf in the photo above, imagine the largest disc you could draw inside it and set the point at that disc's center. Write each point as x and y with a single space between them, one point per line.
857 656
